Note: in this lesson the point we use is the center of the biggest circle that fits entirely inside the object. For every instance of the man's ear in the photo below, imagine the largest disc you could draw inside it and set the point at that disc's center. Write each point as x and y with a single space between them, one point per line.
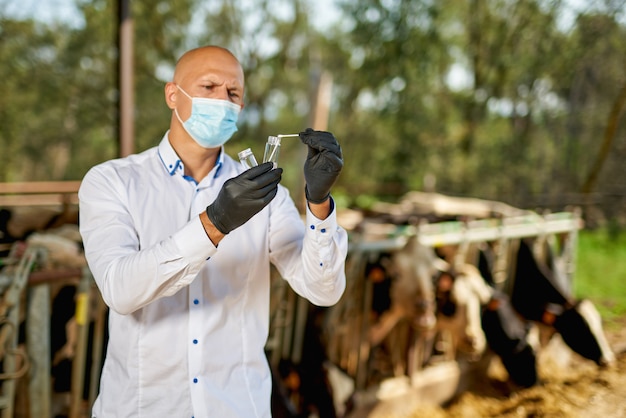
170 94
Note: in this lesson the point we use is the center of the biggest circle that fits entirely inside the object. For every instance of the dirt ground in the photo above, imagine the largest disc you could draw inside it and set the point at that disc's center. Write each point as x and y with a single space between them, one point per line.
571 386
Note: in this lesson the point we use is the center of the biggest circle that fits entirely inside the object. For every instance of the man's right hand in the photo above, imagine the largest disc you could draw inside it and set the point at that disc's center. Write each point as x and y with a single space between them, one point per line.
244 196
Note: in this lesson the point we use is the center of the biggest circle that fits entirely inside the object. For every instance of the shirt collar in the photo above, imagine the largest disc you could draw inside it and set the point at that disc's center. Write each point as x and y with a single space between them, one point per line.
174 165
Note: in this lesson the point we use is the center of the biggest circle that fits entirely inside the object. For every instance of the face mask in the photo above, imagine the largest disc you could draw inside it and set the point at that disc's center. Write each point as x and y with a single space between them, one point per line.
212 121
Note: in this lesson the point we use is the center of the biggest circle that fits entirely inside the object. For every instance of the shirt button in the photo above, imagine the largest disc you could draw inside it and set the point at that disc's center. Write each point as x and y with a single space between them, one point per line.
323 230
195 380
312 226
196 301
195 341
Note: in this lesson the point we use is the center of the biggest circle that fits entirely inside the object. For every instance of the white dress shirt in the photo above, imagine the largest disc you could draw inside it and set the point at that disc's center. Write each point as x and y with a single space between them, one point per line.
188 321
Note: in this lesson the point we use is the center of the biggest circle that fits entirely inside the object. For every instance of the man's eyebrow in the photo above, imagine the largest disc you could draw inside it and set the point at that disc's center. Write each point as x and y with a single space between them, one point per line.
234 86
231 84
209 79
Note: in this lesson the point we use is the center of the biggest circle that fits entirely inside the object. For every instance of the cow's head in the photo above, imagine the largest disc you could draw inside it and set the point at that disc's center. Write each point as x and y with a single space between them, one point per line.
413 268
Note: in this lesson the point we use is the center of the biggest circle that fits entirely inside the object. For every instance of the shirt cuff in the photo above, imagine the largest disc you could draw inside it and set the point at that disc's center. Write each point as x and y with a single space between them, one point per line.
322 231
193 241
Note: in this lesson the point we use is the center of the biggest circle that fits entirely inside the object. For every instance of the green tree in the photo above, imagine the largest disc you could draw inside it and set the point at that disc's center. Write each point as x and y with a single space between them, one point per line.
539 113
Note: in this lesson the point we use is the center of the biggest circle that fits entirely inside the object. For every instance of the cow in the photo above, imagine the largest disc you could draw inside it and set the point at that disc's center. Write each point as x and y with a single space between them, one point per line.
411 292
520 320
18 223
400 336
539 295
508 336
461 294
303 388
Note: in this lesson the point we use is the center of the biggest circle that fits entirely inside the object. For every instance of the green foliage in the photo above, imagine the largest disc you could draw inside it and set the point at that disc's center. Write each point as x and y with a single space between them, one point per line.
524 123
56 93
600 271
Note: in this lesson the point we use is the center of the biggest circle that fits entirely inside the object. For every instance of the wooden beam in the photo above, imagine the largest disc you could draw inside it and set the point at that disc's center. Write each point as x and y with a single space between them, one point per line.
38 200
33 187
39 193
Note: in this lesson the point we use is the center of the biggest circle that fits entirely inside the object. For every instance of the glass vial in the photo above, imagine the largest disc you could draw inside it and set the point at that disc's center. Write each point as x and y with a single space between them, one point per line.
247 159
272 149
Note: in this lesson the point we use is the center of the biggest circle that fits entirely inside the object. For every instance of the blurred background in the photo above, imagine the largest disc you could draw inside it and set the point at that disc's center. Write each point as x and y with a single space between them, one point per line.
520 101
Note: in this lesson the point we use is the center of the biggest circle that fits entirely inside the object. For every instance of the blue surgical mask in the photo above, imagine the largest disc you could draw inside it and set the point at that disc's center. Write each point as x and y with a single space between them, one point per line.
212 121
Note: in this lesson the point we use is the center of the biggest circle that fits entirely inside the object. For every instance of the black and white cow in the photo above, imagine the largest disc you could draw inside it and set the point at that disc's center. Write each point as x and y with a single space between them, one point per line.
539 295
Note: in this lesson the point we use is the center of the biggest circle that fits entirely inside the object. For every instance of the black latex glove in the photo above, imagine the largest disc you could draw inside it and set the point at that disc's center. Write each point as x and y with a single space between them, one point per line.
323 164
244 196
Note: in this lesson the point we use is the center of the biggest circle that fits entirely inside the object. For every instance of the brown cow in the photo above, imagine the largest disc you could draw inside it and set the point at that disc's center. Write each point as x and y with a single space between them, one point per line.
461 295
412 294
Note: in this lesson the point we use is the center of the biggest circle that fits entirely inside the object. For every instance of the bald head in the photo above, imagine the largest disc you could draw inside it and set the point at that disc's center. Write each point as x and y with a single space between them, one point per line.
201 56
210 71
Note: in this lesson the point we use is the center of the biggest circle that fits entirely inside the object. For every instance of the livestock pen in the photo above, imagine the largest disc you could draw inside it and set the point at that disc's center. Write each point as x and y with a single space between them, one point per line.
338 361
42 256
369 349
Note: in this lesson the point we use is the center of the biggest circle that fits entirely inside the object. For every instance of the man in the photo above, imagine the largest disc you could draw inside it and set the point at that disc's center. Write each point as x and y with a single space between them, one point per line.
179 239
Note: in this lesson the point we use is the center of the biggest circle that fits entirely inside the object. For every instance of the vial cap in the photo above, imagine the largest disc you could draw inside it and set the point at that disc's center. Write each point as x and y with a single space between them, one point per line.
245 153
273 140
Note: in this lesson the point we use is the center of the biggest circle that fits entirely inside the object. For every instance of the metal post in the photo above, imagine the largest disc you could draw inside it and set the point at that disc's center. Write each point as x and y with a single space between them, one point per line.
301 312
38 346
10 353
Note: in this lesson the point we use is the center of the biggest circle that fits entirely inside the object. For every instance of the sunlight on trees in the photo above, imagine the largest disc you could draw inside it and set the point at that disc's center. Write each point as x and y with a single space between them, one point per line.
510 100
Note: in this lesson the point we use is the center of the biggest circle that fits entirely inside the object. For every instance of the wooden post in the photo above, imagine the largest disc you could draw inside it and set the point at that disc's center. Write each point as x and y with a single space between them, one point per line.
125 82
321 88
98 345
290 314
364 347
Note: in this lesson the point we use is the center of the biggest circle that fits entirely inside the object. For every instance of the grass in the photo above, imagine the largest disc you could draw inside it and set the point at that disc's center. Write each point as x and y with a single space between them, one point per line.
601 272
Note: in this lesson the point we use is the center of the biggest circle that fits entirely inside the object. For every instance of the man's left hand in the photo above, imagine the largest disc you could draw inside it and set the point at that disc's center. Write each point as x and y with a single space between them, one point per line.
323 164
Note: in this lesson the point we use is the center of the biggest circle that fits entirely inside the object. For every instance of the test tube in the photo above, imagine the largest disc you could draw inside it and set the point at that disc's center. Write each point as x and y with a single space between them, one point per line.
247 159
272 149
